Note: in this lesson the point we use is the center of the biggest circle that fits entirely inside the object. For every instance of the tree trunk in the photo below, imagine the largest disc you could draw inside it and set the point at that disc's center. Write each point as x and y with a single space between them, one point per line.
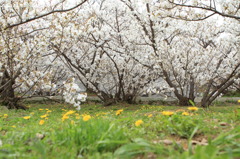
7 95
184 101
205 103
129 98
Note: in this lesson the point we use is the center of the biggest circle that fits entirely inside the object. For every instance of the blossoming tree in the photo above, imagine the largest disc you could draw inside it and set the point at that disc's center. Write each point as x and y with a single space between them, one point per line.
192 57
95 46
25 63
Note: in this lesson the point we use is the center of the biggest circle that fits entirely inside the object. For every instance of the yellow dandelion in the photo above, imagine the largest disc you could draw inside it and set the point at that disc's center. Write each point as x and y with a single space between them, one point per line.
41 122
13 126
185 113
86 117
65 117
70 112
119 112
49 111
150 115
193 108
26 117
138 122
40 109
5 115
43 116
167 113
239 101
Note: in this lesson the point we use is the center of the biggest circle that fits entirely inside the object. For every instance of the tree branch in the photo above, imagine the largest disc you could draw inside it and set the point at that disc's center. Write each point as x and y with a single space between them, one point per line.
44 15
211 9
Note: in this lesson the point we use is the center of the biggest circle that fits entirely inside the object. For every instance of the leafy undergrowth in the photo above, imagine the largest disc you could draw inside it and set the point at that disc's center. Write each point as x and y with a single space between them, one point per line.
127 131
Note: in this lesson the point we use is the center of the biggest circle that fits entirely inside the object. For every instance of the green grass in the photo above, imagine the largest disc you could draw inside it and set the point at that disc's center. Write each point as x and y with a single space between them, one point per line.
206 133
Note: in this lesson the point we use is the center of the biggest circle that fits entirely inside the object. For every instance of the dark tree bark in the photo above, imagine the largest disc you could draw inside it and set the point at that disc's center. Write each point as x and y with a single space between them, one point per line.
7 95
212 93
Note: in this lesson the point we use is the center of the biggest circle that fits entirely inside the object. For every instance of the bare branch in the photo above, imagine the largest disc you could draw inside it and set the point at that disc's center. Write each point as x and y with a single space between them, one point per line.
209 8
44 15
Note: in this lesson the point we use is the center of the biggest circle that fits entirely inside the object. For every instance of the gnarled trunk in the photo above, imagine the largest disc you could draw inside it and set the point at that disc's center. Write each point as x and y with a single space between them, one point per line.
7 95
130 98
184 101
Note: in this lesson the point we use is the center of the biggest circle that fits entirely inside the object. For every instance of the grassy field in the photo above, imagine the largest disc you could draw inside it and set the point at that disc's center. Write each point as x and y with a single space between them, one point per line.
122 131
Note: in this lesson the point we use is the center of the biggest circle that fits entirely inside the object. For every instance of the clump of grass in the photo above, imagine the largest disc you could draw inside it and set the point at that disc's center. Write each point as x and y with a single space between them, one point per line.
92 136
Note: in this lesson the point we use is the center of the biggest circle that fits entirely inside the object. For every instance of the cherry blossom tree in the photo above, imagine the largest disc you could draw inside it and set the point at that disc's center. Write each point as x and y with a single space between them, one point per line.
191 57
96 48
26 65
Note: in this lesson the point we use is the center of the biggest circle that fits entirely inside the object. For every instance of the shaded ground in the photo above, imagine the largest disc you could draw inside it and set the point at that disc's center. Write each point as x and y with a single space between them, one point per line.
151 98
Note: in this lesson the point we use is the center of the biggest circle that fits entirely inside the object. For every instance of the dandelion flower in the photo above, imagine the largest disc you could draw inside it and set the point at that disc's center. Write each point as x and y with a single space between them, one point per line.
41 122
119 112
150 115
43 116
193 108
185 113
167 113
13 126
40 109
138 122
26 117
239 101
5 115
65 117
70 112
86 117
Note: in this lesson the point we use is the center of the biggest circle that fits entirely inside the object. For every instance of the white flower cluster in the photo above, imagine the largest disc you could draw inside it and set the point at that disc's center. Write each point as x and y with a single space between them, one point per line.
72 94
